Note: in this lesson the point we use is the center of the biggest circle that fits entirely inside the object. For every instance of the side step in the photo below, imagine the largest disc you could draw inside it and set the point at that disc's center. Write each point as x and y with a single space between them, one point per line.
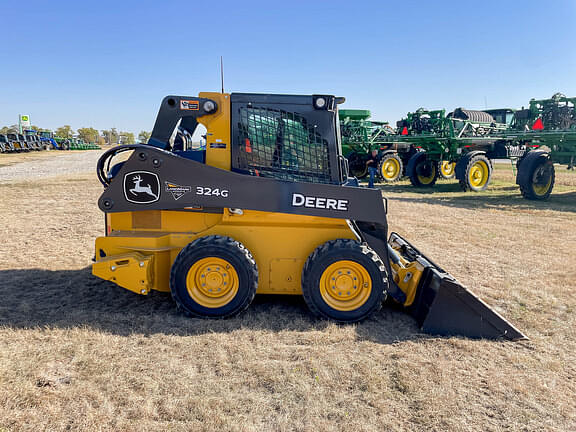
445 307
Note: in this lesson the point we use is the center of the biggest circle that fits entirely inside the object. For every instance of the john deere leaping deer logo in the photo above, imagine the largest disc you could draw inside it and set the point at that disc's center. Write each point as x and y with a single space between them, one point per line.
141 187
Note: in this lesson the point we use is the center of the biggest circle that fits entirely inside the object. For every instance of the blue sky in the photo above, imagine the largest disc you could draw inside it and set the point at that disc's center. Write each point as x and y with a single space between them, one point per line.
108 64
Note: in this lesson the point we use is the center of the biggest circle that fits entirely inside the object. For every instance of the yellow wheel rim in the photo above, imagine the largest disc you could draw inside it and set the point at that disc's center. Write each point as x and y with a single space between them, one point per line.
478 174
390 169
212 282
426 180
447 168
345 285
541 189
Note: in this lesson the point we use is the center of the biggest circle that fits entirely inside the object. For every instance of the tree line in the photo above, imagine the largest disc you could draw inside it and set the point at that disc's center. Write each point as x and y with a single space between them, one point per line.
104 137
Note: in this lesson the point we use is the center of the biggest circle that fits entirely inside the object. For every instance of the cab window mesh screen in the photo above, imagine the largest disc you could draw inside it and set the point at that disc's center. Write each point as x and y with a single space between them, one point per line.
279 144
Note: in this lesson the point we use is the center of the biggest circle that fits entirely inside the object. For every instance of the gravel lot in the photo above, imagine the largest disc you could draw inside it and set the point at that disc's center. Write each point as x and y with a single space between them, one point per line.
47 164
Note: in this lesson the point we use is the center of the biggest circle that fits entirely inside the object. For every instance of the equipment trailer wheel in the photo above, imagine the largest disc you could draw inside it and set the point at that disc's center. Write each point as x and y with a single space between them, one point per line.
390 167
476 173
422 171
446 169
536 176
357 165
213 277
344 281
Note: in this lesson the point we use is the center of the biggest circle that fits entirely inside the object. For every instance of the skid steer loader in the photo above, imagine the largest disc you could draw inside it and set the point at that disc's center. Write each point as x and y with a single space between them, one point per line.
265 205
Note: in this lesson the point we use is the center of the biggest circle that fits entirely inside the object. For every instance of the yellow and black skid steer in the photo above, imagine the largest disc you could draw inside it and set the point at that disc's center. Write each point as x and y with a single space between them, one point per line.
263 204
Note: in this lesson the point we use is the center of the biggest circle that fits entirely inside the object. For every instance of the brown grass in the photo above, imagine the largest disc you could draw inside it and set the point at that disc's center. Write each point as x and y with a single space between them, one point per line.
77 353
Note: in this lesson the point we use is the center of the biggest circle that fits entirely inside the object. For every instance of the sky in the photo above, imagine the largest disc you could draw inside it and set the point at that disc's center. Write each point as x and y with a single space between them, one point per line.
108 64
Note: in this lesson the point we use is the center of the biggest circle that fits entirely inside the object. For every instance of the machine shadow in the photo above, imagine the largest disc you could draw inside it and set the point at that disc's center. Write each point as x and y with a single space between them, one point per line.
558 201
74 298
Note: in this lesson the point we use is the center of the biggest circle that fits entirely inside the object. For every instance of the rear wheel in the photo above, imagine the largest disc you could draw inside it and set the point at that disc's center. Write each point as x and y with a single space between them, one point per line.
477 174
446 169
357 165
540 180
390 167
213 277
344 280
422 171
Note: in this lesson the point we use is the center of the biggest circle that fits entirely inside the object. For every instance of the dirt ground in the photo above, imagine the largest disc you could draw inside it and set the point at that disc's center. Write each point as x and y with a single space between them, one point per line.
78 353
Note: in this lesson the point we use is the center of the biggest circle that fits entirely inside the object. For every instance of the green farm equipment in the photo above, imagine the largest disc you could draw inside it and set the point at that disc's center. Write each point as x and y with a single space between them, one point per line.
464 142
547 129
80 144
458 144
360 136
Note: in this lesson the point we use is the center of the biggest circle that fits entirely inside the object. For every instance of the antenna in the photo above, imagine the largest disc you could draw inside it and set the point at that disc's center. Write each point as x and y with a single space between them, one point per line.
222 73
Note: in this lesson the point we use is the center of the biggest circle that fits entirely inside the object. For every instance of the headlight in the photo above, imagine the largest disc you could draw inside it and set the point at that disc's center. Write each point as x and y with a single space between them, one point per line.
320 102
209 106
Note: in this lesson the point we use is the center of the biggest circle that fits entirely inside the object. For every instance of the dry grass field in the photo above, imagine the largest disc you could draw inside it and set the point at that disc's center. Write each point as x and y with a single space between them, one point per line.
78 353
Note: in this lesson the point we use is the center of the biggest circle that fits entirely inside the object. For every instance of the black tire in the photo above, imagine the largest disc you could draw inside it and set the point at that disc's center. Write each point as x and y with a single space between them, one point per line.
357 165
537 182
467 179
422 171
218 247
387 175
369 298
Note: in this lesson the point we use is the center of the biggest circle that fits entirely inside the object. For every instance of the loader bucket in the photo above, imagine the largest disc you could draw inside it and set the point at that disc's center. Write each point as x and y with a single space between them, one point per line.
442 306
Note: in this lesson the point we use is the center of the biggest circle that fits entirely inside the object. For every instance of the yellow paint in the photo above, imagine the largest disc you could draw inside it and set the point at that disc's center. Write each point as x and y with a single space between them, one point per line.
542 189
478 174
345 285
426 179
280 243
218 131
285 275
407 275
132 271
390 169
212 282
447 169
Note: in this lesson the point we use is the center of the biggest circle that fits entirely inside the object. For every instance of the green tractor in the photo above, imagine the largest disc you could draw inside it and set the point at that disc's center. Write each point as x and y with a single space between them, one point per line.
360 136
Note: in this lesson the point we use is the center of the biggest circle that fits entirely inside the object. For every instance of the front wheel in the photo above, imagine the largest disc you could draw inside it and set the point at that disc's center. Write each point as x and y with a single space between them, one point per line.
477 174
213 277
422 171
446 169
344 281
390 167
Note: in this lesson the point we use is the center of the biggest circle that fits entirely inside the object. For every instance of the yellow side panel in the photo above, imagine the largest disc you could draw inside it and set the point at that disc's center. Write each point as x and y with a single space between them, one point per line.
218 145
280 243
284 275
162 220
